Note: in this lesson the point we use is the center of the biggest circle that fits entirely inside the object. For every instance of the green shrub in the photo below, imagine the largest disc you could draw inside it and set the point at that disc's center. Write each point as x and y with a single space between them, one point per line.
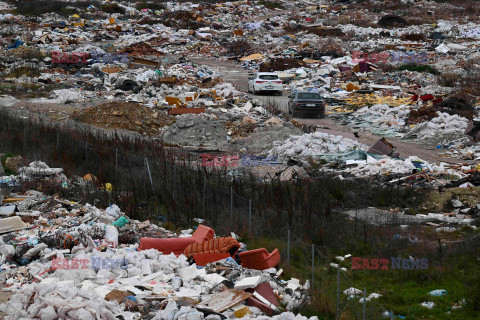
112 8
8 172
39 7
149 5
419 68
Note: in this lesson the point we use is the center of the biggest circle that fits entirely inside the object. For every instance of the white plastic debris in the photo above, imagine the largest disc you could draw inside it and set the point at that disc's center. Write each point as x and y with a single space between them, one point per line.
247 283
428 304
111 234
352 291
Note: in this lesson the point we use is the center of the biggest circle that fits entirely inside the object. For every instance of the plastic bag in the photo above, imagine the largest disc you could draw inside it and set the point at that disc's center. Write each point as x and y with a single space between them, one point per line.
113 210
111 235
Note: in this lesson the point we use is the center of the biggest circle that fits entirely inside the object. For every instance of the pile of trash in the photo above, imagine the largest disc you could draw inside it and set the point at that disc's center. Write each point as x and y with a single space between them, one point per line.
39 168
373 167
64 259
314 145
188 58
441 129
384 116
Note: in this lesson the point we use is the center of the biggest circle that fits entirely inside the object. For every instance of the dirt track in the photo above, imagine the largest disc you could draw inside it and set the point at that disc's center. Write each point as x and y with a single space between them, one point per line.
232 72
4 297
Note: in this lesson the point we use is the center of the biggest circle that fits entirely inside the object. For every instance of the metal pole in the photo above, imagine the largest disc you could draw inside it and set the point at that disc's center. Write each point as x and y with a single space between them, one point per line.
391 314
231 202
116 164
24 142
174 179
204 191
313 264
338 292
288 247
364 302
250 214
58 147
149 173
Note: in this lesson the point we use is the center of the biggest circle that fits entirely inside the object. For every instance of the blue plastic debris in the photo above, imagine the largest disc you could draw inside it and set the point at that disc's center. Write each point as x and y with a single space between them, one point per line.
132 298
438 293
17 44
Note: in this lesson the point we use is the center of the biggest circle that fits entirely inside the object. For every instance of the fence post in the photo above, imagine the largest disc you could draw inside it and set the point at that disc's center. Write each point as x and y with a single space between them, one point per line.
116 164
149 173
204 192
338 292
58 147
174 179
288 247
391 314
231 202
313 265
364 302
250 214
24 140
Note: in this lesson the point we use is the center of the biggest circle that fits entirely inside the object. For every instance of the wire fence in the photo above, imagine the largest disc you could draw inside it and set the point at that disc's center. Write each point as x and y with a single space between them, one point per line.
319 270
153 182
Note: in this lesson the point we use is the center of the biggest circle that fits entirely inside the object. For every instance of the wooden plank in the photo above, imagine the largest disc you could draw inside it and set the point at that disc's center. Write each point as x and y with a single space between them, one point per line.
146 62
185 110
10 200
226 299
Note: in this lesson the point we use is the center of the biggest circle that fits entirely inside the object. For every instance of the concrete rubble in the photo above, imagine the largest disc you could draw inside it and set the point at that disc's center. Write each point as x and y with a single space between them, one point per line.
97 276
314 145
400 87
172 59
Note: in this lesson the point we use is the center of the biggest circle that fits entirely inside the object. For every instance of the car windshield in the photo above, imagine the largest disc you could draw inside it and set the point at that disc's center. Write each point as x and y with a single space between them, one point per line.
308 95
268 76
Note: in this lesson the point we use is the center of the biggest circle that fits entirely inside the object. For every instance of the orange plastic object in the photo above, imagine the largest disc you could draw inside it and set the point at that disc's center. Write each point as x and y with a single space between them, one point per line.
177 245
260 259
202 259
172 101
218 245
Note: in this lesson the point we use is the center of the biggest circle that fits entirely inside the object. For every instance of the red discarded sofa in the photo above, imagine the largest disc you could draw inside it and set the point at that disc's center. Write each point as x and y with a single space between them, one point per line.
202 259
177 245
218 245
259 259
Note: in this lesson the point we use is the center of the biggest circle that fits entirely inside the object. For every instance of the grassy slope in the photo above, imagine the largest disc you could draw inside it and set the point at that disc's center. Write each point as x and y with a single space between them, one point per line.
402 290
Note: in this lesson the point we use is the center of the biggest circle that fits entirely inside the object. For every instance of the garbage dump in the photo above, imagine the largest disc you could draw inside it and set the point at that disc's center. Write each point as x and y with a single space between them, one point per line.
399 84
178 59
77 261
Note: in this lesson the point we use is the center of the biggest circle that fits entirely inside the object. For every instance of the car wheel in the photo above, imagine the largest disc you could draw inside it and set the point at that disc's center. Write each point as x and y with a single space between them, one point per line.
279 93
253 91
294 114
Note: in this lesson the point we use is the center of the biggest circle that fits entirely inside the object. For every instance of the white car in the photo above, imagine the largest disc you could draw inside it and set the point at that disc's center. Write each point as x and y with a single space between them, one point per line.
265 81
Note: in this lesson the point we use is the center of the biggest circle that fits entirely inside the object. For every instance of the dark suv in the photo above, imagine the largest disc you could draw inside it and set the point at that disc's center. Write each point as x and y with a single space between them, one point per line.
306 102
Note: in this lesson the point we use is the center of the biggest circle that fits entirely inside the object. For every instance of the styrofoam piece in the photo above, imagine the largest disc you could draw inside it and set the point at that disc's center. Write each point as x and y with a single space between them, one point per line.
11 224
247 283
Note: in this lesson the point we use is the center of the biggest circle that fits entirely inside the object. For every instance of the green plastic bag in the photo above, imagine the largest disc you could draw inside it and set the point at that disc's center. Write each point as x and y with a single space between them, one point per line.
120 222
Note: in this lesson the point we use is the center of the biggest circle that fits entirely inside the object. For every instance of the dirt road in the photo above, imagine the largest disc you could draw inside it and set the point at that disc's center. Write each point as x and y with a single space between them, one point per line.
4 297
232 71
